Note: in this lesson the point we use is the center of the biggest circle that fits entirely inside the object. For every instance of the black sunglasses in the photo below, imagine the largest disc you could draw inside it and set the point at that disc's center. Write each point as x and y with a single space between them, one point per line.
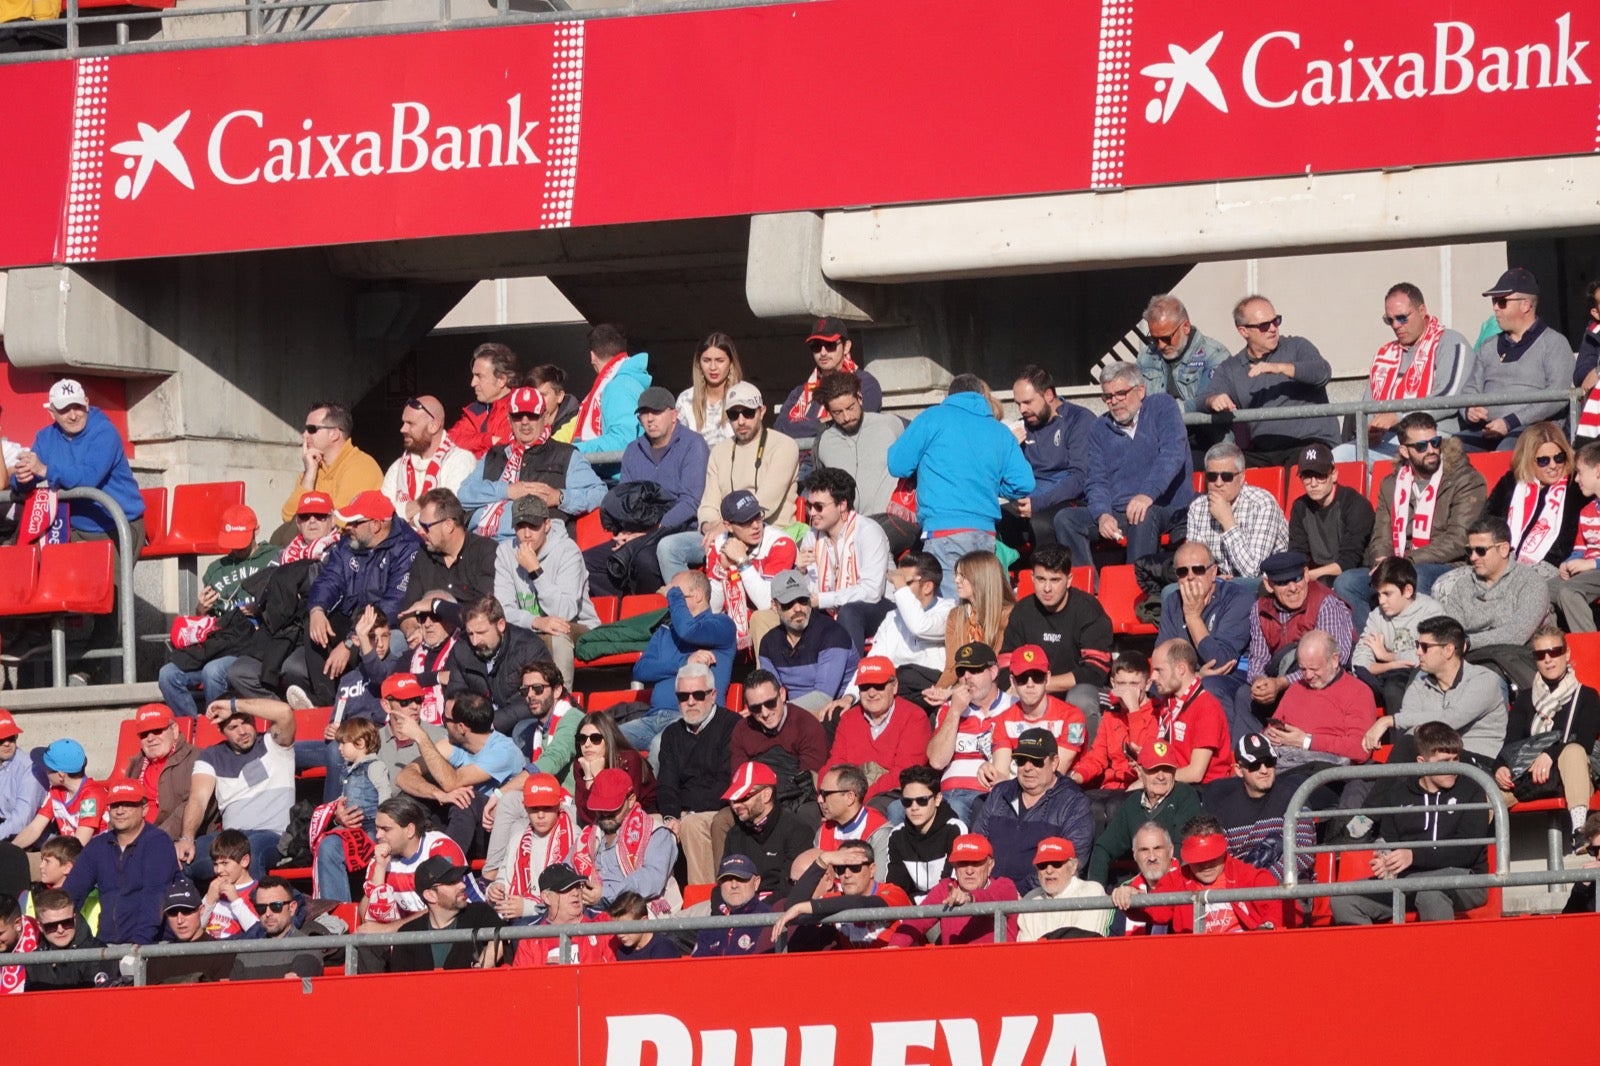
277 907
849 867
1195 571
865 687
308 517
917 801
1031 677
1547 460
536 690
1548 653
1225 476
591 738
60 924
182 911
1052 864
822 346
316 429
1263 327
764 705
967 671
694 695
524 416
735 413
1431 444
824 793
1476 550
1027 760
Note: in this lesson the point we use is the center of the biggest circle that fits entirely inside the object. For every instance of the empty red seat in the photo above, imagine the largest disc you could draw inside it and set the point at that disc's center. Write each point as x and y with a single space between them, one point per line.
155 521
1492 465
19 572
196 518
1024 582
1119 591
1270 478
604 701
76 578
1082 578
643 603
588 531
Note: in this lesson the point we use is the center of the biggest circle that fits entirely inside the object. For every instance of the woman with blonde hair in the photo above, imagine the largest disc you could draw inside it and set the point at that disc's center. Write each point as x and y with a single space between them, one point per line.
700 407
984 600
1539 498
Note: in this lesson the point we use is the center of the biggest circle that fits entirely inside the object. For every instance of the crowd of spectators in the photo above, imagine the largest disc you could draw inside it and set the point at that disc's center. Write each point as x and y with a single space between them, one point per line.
908 727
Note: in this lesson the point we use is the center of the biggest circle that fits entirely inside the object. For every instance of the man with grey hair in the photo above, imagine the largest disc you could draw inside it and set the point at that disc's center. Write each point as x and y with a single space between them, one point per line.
1239 523
1156 857
1271 370
696 766
1525 356
1140 471
1178 360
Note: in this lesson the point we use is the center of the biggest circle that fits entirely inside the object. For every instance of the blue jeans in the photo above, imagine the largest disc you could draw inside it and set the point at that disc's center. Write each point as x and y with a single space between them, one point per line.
679 552
641 731
178 686
1355 588
951 548
961 802
310 754
333 880
1078 529
263 855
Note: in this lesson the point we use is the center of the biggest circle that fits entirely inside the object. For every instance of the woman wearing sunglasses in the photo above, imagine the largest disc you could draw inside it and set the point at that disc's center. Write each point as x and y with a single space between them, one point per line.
1539 498
601 747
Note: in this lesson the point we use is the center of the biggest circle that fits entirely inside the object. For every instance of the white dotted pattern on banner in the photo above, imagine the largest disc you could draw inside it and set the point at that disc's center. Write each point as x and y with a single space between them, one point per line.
1111 94
88 156
566 105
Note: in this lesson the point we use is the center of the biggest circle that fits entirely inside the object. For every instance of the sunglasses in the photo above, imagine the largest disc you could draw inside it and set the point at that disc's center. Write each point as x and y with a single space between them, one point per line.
803 601
415 404
182 912
524 416
1031 677
1548 460
426 526
864 687
968 671
315 429
1225 476
1501 301
424 617
59 925
1548 653
536 690
764 705
1027 760
308 517
849 867
1398 320
1429 645
1264 327
738 413
916 801
1476 551
824 793
1053 864
1193 571
591 738
1169 338
822 346
694 695
1431 444
146 733
276 907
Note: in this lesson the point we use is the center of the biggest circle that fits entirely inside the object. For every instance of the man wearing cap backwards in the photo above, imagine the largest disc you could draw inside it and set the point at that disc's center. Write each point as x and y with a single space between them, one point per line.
695 764
1056 862
741 562
1250 807
1291 607
529 466
164 765
484 422
550 837
451 558
810 654
1164 800
130 867
972 880
541 582
1207 866
443 888
251 778
561 889
1035 709
1526 355
843 879
963 734
82 449
673 459
1040 802
1331 523
802 414
21 791
883 734
624 850
429 459
604 421
845 557
1424 359
330 461
1187 717
75 804
764 832
739 891
754 460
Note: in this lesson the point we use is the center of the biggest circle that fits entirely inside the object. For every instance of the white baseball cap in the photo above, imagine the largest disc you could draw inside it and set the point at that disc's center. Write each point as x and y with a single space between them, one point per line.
65 393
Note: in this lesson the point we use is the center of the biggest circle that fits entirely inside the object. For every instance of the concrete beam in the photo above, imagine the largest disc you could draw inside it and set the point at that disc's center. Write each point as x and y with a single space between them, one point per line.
91 320
1227 220
783 276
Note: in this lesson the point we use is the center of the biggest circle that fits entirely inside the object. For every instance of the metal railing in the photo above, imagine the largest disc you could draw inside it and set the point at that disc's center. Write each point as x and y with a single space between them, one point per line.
124 594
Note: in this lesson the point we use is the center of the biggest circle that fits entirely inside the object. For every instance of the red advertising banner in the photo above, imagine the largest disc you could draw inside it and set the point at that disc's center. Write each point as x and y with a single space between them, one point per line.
828 104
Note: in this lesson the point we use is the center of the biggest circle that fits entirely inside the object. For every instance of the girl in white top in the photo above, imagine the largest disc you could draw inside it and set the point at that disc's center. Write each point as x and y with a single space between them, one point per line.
700 407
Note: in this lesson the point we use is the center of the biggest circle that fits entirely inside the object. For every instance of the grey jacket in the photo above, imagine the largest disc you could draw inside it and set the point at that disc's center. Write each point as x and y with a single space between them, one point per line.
1308 386
862 455
1506 612
1399 633
1547 364
1475 707
561 590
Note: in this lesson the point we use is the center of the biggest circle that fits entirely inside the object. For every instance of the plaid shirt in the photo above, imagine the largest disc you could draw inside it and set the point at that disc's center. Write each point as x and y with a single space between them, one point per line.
1259 529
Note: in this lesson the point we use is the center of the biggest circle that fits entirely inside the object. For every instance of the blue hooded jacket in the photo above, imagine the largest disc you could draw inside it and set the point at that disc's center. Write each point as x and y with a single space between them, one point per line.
963 460
92 459
619 422
351 578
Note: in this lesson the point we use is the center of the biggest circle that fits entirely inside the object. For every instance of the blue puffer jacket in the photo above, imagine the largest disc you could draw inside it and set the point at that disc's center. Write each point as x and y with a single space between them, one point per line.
619 423
963 460
352 578
92 459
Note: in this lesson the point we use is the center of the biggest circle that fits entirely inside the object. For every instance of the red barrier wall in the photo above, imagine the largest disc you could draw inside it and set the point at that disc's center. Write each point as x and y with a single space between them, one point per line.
23 394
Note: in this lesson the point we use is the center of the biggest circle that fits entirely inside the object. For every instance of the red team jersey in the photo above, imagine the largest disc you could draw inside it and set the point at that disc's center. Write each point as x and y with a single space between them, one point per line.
1194 719
1064 721
85 808
396 897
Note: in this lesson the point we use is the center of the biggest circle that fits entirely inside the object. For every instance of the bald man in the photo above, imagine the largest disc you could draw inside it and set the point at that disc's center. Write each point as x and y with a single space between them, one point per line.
431 460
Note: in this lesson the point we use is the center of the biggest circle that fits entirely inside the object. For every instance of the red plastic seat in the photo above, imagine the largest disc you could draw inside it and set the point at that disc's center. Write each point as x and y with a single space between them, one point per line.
1270 478
608 608
19 573
155 521
588 531
735 697
1119 591
643 603
1024 582
1082 578
1492 465
76 578
1585 657
196 518
693 894
1352 475
604 701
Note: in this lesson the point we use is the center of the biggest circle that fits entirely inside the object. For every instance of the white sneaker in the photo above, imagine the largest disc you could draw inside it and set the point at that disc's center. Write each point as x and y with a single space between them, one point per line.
297 699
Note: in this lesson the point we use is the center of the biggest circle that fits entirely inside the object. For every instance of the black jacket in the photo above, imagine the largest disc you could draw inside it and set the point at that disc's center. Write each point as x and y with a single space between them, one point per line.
1585 722
1343 529
1433 817
1499 506
773 847
501 677
417 958
55 976
917 858
695 767
471 578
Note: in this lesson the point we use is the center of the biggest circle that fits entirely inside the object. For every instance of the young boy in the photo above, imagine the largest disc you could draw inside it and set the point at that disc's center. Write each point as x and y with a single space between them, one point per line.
75 805
1386 655
228 909
1574 590
57 857
1127 724
364 780
1035 709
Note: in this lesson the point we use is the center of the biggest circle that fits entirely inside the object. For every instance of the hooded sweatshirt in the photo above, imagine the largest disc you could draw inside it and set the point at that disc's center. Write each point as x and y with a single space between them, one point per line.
95 459
963 461
618 422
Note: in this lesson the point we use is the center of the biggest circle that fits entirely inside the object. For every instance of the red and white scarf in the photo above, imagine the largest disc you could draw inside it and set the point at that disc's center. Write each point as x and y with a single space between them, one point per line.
798 413
489 524
424 661
1386 380
1537 530
556 846
300 548
357 845
633 839
833 575
1589 417
735 601
14 978
1419 530
430 475
590 419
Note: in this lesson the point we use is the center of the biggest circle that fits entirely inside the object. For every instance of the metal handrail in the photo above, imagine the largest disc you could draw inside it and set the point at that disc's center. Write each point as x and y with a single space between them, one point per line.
125 604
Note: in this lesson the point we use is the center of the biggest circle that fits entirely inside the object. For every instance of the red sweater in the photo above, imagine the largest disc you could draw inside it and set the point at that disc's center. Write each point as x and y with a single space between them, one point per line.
978 930
1106 764
801 735
1219 917
1337 717
903 743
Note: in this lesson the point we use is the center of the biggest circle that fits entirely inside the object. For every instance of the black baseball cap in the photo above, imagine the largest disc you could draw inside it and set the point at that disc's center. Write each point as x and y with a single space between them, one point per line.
436 871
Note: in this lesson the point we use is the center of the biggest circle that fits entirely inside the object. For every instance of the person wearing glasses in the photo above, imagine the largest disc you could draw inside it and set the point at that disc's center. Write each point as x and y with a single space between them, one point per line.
429 458
856 441
1292 606
842 879
1039 802
1140 471
753 459
769 834
530 464
811 654
1424 359
1324 712
330 461
455 780
1424 507
1330 523
802 414
846 559
63 929
884 733
1540 499
972 879
1468 698
696 766
1577 583
919 845
1055 861
278 905
452 559
1178 360
1526 355
781 736
1272 370
1497 600
1240 524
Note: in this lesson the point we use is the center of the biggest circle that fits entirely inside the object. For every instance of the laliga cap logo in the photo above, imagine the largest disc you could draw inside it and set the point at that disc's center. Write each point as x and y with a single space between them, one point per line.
1187 70
152 148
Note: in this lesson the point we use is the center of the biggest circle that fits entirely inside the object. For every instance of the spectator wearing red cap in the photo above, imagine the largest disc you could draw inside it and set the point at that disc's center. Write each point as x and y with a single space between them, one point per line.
1188 717
1207 867
430 458
130 866
919 845
1039 802
1056 863
1164 800
75 804
164 766
1069 626
832 351
769 834
485 421
1035 709
695 768
842 879
1127 723
883 734
529 465
330 461
314 530
624 849
551 837
971 880
21 788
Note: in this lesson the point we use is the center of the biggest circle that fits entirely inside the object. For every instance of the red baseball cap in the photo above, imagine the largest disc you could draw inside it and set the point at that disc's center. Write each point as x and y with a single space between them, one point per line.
970 847
239 527
747 779
314 503
151 717
1206 847
8 726
188 630
1028 659
610 791
400 687
1156 754
527 401
369 506
1054 849
126 790
875 670
542 790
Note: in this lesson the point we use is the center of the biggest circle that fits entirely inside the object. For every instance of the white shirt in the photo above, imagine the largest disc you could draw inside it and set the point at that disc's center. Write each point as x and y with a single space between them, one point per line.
454 468
911 634
872 564
1034 926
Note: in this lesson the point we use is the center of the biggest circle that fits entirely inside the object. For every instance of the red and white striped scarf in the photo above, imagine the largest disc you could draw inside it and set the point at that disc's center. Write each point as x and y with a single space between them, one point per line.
397 896
1419 530
590 419
357 845
1537 531
433 697
14 978
489 524
557 846
1589 417
430 475
833 576
633 839
1386 381
299 548
735 602
797 413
